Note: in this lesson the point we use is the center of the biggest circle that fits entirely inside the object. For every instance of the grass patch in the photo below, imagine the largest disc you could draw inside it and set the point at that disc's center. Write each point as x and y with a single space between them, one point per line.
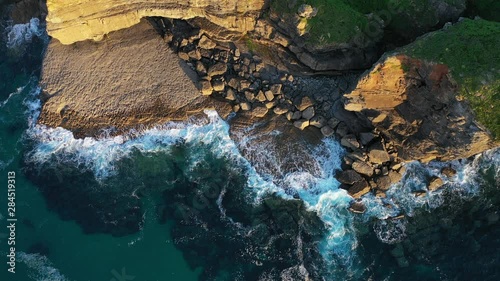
470 49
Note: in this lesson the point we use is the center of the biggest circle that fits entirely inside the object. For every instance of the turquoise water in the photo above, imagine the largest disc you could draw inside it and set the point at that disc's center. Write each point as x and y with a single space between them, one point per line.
187 201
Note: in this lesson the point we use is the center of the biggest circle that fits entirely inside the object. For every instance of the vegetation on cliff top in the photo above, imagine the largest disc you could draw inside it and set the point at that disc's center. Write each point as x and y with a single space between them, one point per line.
341 21
470 49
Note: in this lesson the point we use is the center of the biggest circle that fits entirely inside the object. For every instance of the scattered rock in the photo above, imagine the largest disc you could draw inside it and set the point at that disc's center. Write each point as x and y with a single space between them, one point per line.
333 122
280 109
307 11
308 113
259 111
317 121
206 43
357 207
205 87
378 156
327 131
218 85
448 171
363 168
366 138
395 176
359 189
383 182
342 130
230 95
350 141
261 97
269 95
304 103
301 124
435 183
245 106
217 69
349 177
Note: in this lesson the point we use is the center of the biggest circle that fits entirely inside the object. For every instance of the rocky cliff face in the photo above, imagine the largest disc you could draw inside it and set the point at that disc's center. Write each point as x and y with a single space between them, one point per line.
414 105
72 21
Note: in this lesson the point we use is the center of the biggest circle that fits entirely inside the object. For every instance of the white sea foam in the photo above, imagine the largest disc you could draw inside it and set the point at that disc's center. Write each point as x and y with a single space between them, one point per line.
23 33
40 268
315 184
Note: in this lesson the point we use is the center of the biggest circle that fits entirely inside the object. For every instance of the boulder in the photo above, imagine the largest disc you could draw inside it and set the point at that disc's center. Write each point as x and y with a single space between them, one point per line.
350 141
218 85
318 121
303 103
269 95
205 87
366 138
301 124
362 168
434 183
383 182
327 131
245 106
359 189
259 111
217 69
378 156
206 43
349 177
448 171
280 109
308 113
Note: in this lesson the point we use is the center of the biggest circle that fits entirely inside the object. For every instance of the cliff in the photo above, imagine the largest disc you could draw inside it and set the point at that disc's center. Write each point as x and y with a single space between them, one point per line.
73 21
93 86
414 105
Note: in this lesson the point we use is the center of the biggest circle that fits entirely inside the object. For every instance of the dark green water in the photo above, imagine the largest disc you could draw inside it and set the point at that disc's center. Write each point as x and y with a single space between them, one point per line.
182 203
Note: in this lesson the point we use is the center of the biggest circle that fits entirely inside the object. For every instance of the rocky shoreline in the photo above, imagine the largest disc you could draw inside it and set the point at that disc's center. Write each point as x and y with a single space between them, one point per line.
401 110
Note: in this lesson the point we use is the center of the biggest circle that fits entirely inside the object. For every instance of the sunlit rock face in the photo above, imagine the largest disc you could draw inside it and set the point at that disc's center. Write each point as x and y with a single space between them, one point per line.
72 21
414 104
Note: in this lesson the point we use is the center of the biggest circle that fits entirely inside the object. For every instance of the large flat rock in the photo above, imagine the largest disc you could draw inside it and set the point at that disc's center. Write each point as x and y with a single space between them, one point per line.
130 79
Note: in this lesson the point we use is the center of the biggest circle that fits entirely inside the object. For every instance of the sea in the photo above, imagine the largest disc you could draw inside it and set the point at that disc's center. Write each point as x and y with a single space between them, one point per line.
194 200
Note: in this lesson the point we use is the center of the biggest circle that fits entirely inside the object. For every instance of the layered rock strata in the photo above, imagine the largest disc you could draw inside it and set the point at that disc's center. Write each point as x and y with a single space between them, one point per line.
73 21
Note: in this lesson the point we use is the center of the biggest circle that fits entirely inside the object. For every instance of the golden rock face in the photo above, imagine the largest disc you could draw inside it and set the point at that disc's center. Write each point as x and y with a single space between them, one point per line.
71 21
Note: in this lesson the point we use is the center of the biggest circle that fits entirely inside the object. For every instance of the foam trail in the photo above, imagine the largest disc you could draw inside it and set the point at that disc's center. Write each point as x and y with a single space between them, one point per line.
21 34
41 268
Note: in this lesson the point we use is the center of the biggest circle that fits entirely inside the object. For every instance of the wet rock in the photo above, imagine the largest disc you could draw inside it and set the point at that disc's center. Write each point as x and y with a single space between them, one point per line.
304 103
327 131
357 207
395 176
359 189
217 69
448 171
259 111
308 113
349 177
350 141
378 156
363 168
435 183
301 124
